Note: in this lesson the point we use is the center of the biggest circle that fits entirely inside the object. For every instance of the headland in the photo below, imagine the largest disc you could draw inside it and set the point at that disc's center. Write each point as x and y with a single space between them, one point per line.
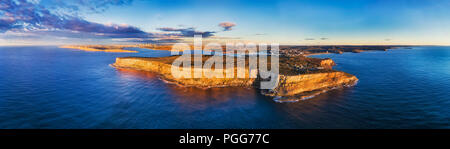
300 76
101 48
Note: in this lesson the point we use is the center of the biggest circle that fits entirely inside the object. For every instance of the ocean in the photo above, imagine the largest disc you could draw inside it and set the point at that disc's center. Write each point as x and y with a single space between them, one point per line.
48 87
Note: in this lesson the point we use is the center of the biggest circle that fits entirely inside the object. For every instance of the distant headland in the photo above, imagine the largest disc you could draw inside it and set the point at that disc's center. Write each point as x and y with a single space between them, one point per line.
291 50
101 48
117 48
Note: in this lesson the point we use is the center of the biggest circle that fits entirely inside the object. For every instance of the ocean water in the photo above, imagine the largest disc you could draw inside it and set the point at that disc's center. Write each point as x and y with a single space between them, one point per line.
49 87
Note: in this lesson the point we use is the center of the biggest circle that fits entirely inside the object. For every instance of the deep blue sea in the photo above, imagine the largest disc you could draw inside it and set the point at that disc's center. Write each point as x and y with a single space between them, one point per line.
49 87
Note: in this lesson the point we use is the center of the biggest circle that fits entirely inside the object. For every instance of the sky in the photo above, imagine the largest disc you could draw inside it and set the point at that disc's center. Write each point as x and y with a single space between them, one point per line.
290 22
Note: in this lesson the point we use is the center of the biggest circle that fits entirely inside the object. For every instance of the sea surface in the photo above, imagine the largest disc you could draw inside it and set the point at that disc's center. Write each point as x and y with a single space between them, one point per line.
50 87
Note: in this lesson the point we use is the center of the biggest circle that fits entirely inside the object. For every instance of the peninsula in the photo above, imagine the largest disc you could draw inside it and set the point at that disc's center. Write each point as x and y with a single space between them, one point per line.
300 77
101 48
118 48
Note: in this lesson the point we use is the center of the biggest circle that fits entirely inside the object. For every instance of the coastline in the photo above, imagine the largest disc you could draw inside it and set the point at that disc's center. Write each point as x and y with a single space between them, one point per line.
96 49
280 94
280 99
291 85
295 91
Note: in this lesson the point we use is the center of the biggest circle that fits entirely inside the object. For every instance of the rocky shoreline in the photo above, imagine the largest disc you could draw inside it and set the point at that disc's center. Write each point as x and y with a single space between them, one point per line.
300 77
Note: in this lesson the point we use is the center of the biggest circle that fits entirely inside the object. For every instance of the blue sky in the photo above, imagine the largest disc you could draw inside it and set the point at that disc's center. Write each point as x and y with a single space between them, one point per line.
302 22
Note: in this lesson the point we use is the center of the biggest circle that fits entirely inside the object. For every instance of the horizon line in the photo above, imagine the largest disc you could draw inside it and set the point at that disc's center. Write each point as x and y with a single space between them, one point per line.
28 45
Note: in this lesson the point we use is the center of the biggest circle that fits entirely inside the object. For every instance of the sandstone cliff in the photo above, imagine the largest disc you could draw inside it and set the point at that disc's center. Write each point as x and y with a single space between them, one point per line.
292 88
163 66
293 84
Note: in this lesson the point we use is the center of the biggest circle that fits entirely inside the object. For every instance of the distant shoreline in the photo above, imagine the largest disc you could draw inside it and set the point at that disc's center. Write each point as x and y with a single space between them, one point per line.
283 50
96 48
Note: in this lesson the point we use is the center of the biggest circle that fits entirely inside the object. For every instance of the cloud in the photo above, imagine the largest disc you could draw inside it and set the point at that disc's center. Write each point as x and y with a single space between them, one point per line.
310 39
23 15
187 32
21 18
102 5
157 41
29 16
90 6
6 24
324 38
110 30
227 26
